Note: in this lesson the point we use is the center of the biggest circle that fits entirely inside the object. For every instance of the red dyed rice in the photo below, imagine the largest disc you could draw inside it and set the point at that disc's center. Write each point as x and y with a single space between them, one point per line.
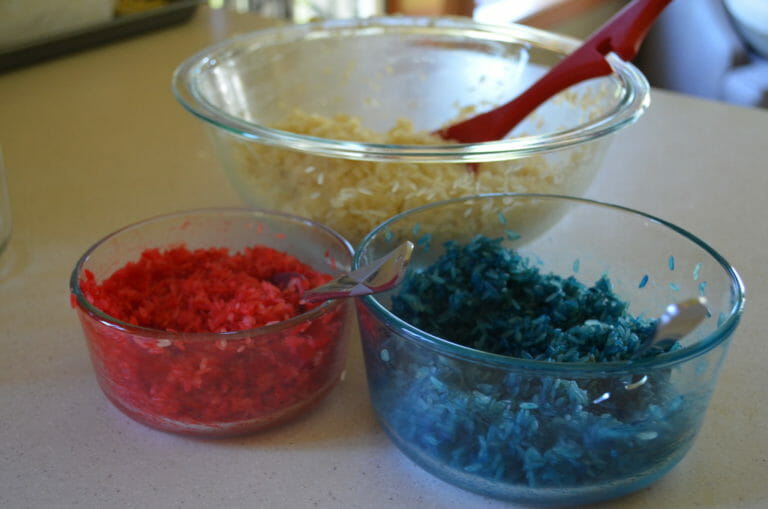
205 290
159 381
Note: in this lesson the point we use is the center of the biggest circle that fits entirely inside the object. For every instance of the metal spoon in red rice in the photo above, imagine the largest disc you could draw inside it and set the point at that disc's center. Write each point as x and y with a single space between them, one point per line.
381 275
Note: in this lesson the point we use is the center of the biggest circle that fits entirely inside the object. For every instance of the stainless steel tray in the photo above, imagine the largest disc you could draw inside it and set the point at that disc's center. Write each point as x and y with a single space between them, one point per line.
118 28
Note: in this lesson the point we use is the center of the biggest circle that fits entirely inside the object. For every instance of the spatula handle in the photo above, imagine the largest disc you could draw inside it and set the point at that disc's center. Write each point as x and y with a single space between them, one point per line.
622 34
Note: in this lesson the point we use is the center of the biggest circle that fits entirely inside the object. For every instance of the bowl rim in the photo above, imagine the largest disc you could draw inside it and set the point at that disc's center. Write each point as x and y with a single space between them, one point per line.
634 100
81 303
413 334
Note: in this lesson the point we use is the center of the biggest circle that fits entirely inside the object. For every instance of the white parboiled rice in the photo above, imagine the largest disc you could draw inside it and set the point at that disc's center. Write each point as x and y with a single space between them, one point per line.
353 196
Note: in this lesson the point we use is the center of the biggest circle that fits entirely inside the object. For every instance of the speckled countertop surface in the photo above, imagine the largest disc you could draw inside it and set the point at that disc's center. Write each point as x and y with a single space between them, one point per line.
95 140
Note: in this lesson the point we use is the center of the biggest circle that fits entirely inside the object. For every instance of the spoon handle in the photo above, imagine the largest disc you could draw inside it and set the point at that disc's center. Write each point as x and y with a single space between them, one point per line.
378 276
622 35
677 321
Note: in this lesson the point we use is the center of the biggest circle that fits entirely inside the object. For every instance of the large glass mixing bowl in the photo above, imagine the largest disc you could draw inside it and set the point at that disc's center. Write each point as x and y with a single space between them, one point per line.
309 119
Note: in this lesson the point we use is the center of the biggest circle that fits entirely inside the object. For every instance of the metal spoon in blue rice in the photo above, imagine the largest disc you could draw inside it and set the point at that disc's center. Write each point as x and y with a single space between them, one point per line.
677 321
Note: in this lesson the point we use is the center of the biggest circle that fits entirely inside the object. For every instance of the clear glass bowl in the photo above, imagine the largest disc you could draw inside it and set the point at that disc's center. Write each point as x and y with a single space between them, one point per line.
544 432
271 99
217 384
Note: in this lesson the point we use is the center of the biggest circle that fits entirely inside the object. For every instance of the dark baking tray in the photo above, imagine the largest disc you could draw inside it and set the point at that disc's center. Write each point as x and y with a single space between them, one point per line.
118 28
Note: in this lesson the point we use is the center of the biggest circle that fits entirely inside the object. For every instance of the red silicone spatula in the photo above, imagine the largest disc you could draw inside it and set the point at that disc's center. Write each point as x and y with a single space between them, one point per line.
621 35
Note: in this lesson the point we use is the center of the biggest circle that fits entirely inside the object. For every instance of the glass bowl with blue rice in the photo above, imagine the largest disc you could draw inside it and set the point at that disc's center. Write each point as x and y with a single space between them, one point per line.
508 362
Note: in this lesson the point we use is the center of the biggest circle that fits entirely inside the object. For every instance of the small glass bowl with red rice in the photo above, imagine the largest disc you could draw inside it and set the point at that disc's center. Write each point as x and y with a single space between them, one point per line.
195 324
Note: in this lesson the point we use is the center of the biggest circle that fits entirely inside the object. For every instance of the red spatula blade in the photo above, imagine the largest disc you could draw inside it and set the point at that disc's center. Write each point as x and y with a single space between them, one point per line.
622 35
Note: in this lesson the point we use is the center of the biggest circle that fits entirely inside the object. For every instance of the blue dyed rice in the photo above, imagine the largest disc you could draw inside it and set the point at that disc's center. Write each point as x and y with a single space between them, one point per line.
696 272
487 297
517 429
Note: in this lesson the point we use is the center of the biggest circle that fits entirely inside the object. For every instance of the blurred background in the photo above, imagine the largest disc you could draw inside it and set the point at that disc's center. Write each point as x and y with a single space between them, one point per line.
715 49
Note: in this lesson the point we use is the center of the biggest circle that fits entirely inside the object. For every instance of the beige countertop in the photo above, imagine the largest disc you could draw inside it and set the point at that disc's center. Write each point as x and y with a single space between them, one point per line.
95 140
